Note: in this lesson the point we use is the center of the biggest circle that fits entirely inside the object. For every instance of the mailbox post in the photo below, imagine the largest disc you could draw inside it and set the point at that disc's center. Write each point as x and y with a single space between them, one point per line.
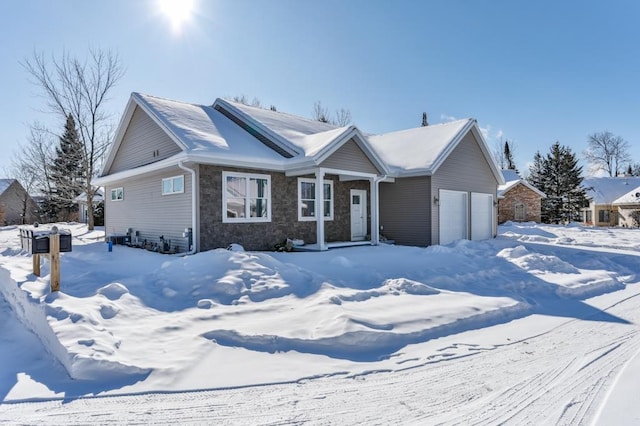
54 258
50 243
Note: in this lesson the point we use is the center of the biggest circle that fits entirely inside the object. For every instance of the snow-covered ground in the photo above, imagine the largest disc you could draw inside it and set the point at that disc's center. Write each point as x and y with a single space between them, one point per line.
538 326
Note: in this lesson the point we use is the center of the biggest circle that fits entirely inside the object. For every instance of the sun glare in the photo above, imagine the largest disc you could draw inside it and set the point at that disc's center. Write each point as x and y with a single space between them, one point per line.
176 11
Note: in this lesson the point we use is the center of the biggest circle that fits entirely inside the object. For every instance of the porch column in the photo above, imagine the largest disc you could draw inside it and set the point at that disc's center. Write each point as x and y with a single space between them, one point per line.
320 210
375 211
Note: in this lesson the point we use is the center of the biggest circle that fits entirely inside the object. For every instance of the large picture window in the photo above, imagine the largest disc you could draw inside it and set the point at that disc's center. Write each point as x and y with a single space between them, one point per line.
117 194
173 185
307 199
246 197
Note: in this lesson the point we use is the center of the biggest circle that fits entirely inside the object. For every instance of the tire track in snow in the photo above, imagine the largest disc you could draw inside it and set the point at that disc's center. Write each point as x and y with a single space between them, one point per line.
560 376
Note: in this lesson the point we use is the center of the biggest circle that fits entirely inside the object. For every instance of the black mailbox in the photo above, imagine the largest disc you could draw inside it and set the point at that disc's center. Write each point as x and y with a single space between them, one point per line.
38 242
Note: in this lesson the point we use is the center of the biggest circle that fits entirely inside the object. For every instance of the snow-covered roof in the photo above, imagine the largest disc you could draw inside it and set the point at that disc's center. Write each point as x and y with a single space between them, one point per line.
239 135
4 184
418 149
421 150
631 197
307 136
512 178
200 129
232 133
606 190
82 198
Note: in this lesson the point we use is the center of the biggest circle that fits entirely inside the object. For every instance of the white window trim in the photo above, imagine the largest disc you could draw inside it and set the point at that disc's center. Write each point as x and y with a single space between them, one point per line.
171 179
246 219
313 218
115 190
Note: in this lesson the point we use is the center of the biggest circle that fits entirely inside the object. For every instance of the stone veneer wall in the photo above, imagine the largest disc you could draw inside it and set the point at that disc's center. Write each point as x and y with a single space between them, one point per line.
284 213
519 194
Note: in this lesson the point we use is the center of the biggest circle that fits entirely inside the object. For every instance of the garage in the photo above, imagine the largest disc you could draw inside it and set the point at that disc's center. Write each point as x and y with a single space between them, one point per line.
453 215
481 216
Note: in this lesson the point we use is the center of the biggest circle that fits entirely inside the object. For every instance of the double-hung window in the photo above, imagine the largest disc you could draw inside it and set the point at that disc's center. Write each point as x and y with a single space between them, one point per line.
173 185
246 197
117 194
307 199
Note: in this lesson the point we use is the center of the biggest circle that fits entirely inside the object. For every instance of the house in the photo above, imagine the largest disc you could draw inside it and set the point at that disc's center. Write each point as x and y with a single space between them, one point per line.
602 192
204 177
628 208
81 201
16 205
518 200
444 184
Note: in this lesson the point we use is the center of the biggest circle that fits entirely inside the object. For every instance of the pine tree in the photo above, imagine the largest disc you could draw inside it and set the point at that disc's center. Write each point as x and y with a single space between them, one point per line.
560 179
536 170
66 173
508 156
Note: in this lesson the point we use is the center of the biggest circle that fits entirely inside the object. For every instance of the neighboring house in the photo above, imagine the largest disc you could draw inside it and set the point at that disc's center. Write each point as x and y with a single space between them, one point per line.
628 207
601 193
81 201
16 205
518 200
232 173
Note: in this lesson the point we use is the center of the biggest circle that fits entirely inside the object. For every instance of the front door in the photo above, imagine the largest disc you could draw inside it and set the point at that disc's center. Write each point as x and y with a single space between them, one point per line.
358 214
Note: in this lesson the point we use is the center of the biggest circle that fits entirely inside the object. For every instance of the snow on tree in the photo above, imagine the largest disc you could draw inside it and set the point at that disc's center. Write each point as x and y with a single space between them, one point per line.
67 173
559 177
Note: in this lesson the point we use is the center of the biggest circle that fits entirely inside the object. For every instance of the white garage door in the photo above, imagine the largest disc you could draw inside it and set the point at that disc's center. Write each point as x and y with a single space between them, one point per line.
453 215
481 216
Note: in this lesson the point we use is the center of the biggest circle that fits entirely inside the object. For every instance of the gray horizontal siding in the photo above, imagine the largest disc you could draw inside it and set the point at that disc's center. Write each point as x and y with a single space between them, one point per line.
465 169
350 157
144 142
146 210
405 211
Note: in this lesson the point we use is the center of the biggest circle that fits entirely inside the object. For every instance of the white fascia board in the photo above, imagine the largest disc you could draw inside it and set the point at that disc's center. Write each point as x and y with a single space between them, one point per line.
143 105
120 131
355 133
338 172
487 153
125 174
276 166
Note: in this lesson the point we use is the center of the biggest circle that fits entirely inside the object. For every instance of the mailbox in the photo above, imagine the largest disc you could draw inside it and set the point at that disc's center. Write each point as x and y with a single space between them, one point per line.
38 242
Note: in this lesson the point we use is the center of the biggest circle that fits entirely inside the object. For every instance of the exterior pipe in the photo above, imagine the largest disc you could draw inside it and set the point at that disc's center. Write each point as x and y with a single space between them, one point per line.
194 209
376 183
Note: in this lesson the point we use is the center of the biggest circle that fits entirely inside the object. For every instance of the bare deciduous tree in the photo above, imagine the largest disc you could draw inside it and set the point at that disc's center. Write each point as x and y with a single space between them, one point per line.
30 165
343 117
607 152
80 88
321 113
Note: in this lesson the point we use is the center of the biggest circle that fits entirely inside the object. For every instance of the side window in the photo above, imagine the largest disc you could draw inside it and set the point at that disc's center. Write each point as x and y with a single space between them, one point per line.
117 194
173 185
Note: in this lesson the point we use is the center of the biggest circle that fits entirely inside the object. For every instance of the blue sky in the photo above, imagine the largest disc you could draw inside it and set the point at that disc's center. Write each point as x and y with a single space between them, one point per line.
529 71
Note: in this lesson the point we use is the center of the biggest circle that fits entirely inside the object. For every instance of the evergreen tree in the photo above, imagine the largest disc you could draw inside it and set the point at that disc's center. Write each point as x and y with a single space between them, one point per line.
66 173
561 181
536 170
508 156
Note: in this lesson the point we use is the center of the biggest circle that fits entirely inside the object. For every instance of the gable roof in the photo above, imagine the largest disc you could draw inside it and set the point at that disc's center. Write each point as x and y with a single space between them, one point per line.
238 135
4 184
422 150
631 197
606 190
512 179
